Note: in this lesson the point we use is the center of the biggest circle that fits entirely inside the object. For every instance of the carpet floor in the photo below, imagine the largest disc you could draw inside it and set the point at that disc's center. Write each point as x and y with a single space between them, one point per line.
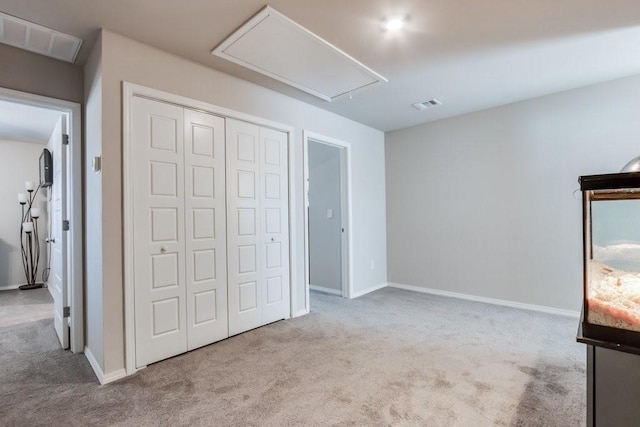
392 357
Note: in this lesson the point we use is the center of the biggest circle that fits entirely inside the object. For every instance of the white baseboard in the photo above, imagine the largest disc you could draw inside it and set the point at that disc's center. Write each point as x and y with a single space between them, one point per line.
302 312
94 364
326 290
368 290
104 379
113 376
506 303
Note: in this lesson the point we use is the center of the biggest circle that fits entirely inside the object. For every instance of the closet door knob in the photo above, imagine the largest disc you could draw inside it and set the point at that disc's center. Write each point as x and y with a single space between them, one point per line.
163 249
272 239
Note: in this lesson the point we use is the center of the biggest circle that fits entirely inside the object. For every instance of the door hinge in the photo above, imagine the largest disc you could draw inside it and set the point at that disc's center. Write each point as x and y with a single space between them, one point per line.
65 225
65 139
66 312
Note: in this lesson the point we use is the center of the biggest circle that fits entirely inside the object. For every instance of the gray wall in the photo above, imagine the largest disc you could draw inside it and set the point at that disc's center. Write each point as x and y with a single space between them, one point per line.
29 72
325 240
18 163
126 60
94 328
484 204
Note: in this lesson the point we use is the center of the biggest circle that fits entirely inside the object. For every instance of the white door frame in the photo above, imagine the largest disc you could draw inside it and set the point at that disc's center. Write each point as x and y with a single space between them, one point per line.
345 196
129 90
74 256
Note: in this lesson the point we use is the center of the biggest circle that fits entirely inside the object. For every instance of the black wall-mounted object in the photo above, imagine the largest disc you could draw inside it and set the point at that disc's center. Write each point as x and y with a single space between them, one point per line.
46 168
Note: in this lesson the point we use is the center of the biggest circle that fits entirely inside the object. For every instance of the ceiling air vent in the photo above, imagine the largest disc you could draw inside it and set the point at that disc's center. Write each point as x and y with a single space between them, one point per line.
275 46
36 38
427 104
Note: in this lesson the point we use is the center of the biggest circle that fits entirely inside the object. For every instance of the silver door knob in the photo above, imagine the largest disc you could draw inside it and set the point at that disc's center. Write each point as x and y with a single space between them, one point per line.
163 249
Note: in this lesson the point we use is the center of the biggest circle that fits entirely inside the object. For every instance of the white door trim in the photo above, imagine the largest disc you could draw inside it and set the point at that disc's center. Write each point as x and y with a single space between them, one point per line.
74 193
347 250
129 90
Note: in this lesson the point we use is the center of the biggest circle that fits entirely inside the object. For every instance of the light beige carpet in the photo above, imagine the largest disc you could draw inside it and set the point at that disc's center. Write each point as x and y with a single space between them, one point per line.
392 357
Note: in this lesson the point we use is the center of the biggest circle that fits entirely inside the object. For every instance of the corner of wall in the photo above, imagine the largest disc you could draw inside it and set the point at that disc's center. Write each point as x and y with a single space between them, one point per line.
94 330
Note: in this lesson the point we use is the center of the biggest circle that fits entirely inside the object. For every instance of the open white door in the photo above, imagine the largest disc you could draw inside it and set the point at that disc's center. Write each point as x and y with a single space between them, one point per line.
58 244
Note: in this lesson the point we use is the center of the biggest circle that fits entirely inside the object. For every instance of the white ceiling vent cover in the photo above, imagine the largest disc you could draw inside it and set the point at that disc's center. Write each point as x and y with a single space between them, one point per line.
36 38
426 104
274 45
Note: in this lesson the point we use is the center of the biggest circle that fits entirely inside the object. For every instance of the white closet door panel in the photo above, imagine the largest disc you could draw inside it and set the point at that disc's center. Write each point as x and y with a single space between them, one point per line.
157 131
205 220
243 226
274 209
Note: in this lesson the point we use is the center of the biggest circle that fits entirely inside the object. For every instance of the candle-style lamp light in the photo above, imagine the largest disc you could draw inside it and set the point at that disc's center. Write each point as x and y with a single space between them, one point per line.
29 239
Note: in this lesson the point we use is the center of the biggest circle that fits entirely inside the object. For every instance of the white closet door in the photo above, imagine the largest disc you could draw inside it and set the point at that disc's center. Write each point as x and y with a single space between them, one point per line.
157 131
243 226
275 219
206 243
258 226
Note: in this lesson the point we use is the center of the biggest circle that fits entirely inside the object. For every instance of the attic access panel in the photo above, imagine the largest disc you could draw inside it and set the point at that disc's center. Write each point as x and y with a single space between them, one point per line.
275 46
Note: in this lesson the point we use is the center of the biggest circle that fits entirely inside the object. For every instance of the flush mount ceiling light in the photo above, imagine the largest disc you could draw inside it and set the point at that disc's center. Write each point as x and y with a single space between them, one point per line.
36 38
275 46
395 23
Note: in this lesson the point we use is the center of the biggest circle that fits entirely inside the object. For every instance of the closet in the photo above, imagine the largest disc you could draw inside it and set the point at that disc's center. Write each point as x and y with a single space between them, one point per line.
210 227
257 225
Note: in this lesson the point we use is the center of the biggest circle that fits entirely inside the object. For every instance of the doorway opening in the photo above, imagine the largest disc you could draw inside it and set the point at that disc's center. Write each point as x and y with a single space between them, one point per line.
327 215
49 200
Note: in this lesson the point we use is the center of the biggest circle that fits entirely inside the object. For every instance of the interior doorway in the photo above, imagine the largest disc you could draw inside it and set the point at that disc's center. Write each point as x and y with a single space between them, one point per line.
327 215
45 134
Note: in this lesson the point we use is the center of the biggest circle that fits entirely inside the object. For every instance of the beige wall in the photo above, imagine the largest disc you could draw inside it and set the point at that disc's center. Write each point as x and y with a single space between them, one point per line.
127 60
26 71
484 204
18 163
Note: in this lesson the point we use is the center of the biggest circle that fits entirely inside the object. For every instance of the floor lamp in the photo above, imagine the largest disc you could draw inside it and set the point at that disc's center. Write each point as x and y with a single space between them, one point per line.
29 238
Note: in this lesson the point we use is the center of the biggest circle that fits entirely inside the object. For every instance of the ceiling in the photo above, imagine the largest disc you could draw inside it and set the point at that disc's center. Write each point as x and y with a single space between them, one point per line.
20 122
468 54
